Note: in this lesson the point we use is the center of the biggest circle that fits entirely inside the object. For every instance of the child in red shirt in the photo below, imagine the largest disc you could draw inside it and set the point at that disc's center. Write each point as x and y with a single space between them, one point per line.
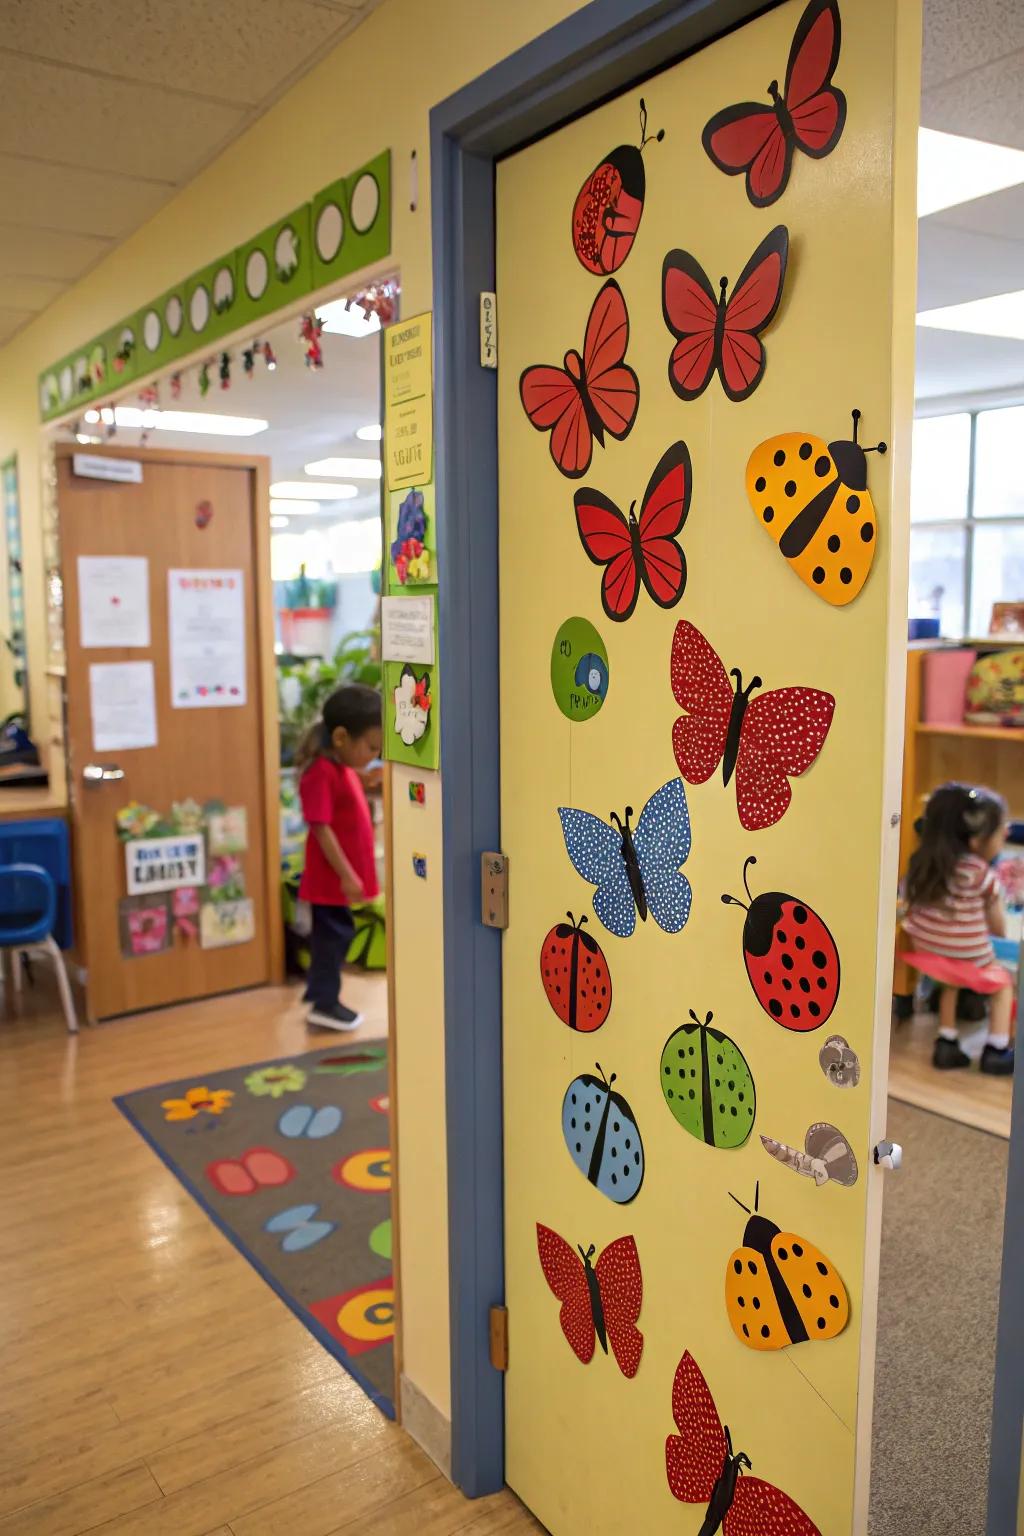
340 864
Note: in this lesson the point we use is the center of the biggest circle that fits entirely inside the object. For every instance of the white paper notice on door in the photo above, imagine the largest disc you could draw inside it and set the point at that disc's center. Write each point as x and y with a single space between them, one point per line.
407 629
123 700
207 638
113 600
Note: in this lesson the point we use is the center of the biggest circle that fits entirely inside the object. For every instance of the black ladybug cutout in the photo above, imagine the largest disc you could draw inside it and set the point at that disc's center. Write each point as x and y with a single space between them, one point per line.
608 208
791 958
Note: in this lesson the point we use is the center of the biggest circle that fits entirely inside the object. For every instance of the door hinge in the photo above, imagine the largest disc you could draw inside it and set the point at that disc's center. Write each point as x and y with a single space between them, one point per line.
488 330
499 1338
494 890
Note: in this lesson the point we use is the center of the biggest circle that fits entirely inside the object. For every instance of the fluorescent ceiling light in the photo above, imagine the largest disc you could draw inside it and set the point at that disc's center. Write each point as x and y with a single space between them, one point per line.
179 421
370 434
343 318
294 508
305 490
351 469
279 522
952 170
1000 315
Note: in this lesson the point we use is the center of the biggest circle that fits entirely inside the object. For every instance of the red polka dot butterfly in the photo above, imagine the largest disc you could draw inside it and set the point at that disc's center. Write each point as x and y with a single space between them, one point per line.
809 115
703 1468
765 741
600 1301
641 548
594 393
713 331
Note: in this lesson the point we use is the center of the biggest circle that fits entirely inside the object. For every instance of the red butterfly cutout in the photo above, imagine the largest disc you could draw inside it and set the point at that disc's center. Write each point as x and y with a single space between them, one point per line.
767 741
421 693
602 1300
714 332
592 394
702 1468
810 115
641 548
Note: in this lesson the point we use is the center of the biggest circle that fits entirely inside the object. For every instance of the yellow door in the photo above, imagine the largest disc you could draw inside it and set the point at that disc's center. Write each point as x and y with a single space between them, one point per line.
702 619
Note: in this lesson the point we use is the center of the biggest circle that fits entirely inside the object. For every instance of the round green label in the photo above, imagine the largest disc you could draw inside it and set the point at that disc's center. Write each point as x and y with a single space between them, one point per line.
579 670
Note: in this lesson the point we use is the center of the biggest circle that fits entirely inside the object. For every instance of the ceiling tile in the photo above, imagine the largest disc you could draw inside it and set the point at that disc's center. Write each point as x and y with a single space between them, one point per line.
955 363
76 119
31 292
1000 214
955 265
237 50
81 202
987 104
961 35
12 320
42 253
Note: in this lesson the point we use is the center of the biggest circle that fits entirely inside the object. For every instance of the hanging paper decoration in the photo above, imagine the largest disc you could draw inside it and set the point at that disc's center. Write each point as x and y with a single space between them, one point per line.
412 705
703 1468
380 299
712 331
149 398
249 360
601 1300
827 1156
610 205
780 1289
204 380
708 1085
811 497
310 331
123 355
592 394
765 741
791 958
269 357
602 1137
575 977
644 548
635 871
809 115
224 370
839 1062
175 386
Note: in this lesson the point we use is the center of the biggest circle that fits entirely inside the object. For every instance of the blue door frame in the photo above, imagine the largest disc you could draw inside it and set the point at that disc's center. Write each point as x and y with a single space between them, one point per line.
590 56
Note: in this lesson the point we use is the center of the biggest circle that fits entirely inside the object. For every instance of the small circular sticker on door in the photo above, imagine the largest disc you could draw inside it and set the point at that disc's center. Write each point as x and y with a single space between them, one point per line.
579 670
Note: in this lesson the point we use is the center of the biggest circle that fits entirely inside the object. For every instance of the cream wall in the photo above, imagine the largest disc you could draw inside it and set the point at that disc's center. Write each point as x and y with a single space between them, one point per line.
374 91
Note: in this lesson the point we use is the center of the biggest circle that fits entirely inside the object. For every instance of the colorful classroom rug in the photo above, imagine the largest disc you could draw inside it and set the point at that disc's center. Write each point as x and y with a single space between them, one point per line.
290 1158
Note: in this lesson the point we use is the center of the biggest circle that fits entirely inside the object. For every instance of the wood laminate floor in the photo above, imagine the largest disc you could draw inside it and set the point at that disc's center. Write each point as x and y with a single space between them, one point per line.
152 1384
963 1095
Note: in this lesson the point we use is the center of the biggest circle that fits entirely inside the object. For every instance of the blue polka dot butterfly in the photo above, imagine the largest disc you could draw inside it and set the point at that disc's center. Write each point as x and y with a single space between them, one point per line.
636 869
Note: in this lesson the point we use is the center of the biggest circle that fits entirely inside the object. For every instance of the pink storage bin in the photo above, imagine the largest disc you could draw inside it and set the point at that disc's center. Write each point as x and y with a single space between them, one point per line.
944 686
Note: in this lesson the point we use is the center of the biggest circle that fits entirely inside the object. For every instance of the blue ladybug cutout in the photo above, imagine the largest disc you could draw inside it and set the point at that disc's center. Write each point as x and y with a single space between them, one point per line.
603 1137
592 674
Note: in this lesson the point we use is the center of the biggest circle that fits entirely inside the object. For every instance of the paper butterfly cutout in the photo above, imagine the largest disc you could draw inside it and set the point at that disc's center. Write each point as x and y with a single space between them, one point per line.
812 498
703 1468
610 205
259 1168
714 332
766 741
809 115
304 1120
300 1229
590 395
600 1301
644 548
635 870
412 705
780 1289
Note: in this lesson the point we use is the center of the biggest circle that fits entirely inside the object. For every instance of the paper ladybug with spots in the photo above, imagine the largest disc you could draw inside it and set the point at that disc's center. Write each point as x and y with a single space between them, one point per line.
791 958
780 1289
602 1136
575 977
812 498
707 1084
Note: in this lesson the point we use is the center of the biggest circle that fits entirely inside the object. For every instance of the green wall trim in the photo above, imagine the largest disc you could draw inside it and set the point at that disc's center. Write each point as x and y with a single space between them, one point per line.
344 227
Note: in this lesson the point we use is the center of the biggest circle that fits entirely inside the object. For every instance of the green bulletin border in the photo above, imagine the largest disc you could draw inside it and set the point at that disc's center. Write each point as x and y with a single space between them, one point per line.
354 236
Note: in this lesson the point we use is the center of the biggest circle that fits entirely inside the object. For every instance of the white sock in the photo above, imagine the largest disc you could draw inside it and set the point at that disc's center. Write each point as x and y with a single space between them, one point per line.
999 1041
947 1032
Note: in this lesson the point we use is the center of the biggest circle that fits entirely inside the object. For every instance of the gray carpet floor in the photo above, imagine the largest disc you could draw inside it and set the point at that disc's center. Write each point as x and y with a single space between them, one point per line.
939 1291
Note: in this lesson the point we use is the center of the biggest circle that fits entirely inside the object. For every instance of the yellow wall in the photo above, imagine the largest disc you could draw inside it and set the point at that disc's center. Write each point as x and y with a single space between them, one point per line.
375 90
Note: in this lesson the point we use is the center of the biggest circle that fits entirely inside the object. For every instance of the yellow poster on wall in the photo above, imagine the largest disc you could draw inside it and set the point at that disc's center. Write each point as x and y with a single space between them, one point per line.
409 403
703 402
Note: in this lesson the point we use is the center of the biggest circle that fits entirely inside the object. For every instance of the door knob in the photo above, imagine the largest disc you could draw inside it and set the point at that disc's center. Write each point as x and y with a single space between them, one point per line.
102 773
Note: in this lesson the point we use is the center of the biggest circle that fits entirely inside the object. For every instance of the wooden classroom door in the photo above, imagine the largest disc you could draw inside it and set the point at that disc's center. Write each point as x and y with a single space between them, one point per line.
702 604
211 932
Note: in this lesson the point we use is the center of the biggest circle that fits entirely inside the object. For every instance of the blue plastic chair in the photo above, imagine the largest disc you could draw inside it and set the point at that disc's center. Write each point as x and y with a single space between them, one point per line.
28 911
43 842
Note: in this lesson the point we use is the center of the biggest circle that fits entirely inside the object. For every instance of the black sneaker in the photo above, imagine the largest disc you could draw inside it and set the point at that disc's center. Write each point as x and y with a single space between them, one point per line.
338 1017
947 1055
998 1060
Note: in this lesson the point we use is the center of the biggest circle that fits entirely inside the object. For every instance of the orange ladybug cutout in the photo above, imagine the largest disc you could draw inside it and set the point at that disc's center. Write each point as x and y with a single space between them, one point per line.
812 498
780 1289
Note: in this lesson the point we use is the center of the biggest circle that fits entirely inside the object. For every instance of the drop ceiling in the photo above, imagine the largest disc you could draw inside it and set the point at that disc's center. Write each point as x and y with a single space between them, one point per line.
110 109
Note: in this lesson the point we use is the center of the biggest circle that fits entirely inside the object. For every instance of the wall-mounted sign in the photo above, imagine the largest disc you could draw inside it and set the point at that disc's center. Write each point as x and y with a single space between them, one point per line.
407 629
409 403
93 466
164 863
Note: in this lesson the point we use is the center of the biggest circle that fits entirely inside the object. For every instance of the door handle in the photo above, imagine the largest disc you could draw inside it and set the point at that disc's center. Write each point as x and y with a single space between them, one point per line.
102 773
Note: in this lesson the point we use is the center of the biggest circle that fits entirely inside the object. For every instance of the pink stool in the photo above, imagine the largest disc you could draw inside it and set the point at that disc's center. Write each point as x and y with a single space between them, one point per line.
958 973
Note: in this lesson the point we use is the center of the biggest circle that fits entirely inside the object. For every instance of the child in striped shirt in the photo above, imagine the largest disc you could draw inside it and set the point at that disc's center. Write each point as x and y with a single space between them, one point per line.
954 909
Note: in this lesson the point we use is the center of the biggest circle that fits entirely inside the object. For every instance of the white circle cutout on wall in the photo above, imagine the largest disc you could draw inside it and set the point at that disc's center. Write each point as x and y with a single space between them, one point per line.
66 383
152 330
199 308
257 273
174 313
81 373
223 290
330 231
286 253
365 203
48 392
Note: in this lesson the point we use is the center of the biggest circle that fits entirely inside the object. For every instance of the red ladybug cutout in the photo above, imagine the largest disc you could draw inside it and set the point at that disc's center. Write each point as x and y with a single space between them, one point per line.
610 203
575 976
791 958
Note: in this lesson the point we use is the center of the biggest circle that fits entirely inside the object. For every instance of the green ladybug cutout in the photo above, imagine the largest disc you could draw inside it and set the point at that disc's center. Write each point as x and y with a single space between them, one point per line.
708 1085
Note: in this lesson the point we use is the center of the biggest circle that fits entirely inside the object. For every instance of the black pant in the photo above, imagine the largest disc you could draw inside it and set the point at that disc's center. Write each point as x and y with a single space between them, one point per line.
333 932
